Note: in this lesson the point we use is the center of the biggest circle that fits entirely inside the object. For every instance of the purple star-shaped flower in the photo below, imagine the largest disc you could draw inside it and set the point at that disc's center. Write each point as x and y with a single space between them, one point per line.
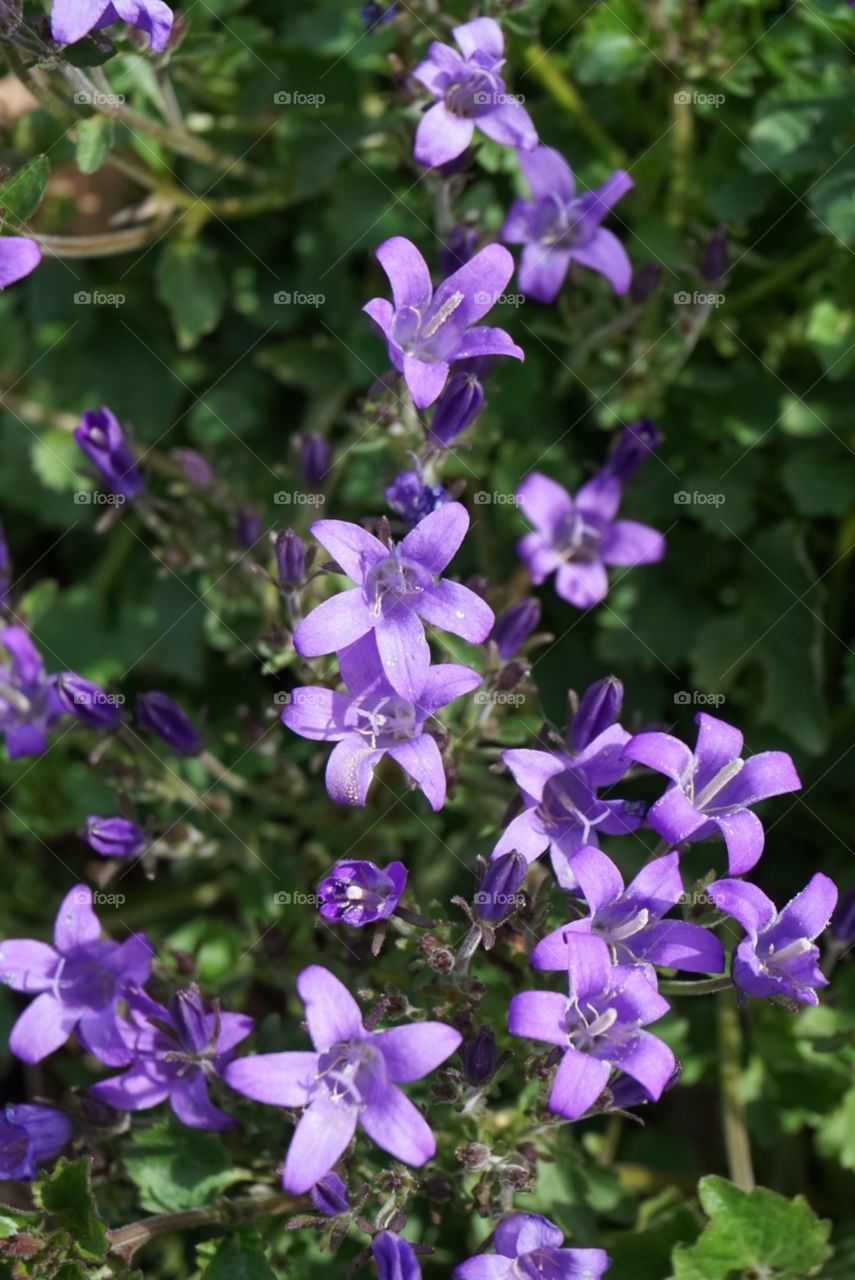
71 20
102 439
351 1078
425 330
77 983
599 1027
175 1051
630 919
528 1247
399 589
469 91
778 956
29 1135
375 720
713 787
29 705
558 227
576 538
359 893
18 257
563 812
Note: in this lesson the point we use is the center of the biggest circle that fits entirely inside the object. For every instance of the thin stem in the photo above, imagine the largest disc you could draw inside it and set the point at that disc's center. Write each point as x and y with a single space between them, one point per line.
792 269
541 65
126 1240
736 1140
704 987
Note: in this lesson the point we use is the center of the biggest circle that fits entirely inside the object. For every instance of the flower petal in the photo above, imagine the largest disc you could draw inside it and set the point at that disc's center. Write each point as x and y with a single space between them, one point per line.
662 752
524 834
718 744
42 1027
101 1035
441 136
70 20
744 901
18 256
481 35
190 1102
421 759
350 770
453 607
443 684
605 253
485 341
548 174
578 1082
404 652
542 272
674 817
539 1015
648 1060
407 273
510 125
545 504
744 836
809 912
769 773
26 965
282 1079
533 769
335 623
582 585
525 1232
626 542
679 944
424 381
317 713
435 540
331 1011
351 546
323 1133
414 1050
135 1090
76 922
397 1126
481 281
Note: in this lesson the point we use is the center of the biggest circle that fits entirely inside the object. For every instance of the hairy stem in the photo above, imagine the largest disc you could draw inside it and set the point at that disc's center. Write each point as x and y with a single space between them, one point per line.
736 1140
126 1240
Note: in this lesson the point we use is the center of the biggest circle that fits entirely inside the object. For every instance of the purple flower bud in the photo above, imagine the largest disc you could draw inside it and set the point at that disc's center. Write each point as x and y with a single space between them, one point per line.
196 468
457 406
359 893
290 558
598 710
479 1057
635 444
247 528
114 837
645 282
411 498
396 1258
190 1020
329 1196
842 924
29 1135
497 895
377 15
515 625
314 459
102 440
159 714
5 569
715 260
85 700
459 247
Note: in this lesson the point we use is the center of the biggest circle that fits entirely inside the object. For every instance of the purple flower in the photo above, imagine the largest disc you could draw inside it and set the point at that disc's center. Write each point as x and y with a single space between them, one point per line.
197 469
515 626
634 445
87 701
71 20
159 714
558 227
468 91
563 812
399 589
713 787
329 1196
395 1257
778 956
18 257
412 499
29 1135
314 459
359 893
247 528
599 1027
599 708
528 1247
29 706
577 537
630 920
103 441
375 720
459 403
351 1078
175 1052
77 983
425 330
114 837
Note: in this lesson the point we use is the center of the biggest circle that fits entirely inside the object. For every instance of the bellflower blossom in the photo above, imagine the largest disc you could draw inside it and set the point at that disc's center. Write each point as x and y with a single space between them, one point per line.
351 1078
29 1135
558 227
18 257
577 537
395 1257
712 787
630 919
359 893
175 1051
77 984
114 837
375 720
71 20
87 701
528 1247
29 706
468 91
599 1027
103 441
426 329
412 499
399 589
778 957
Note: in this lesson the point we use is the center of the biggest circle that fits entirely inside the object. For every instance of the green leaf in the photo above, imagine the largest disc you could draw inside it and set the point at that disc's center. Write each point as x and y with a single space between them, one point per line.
240 1257
760 1233
66 1194
94 140
13 1221
21 194
829 332
178 1168
191 284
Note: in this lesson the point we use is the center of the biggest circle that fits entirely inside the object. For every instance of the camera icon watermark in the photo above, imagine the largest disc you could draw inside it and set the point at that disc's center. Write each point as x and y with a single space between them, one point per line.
285 497
289 98
284 298
487 497
685 299
491 98
483 299
98 299
97 498
696 698
685 97
482 899
682 498
496 698
83 99
99 899
285 898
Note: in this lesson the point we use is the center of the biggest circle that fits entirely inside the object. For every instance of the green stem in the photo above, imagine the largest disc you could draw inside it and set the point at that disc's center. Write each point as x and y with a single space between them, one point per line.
789 271
126 1240
540 64
704 987
736 1140
682 146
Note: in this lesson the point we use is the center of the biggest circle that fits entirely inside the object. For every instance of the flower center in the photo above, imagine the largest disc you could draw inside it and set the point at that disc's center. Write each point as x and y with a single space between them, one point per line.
563 799
475 94
352 1073
711 790
540 1264
427 336
578 541
393 582
83 981
389 720
777 961
586 1025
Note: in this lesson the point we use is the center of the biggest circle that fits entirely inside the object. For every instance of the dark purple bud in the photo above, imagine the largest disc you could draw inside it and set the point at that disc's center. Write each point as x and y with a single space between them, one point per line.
247 528
196 468
114 837
645 282
457 406
842 924
83 699
102 440
459 247
479 1057
189 1019
290 559
412 499
377 15
159 714
396 1259
635 444
314 459
359 893
5 569
598 710
715 260
514 626
498 895
329 1196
